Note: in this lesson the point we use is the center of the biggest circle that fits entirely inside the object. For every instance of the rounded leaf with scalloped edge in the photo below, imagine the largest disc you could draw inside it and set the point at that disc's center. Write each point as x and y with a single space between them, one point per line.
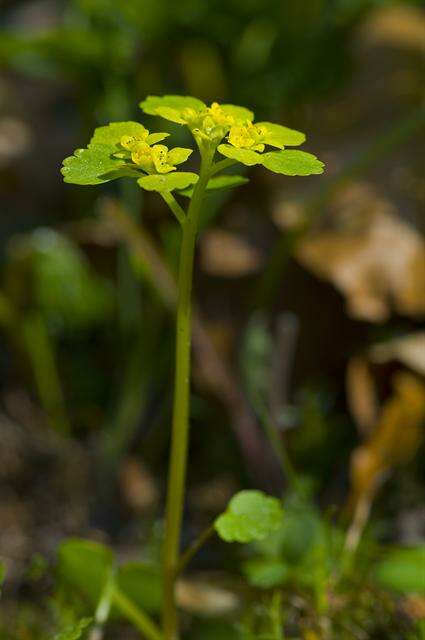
250 515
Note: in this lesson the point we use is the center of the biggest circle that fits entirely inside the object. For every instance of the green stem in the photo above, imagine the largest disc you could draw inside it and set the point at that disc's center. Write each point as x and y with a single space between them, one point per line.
174 206
193 549
220 165
180 426
138 618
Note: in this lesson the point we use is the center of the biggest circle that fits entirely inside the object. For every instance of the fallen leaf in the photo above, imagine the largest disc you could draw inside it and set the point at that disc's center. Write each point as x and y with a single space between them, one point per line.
361 394
371 255
409 350
396 439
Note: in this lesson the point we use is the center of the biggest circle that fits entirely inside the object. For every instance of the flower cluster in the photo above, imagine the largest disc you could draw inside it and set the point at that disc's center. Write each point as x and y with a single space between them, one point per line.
150 157
248 136
128 149
208 123
211 123
218 122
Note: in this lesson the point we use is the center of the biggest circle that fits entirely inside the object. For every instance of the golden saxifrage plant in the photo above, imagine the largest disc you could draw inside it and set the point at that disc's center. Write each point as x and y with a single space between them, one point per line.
225 135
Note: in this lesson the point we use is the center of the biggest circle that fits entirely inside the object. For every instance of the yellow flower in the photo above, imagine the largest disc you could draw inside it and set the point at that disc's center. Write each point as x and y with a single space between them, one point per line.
153 158
141 154
248 136
129 142
160 157
211 123
219 116
190 116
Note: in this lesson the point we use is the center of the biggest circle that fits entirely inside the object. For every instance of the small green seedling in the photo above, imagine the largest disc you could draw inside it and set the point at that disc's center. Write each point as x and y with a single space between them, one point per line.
250 516
225 135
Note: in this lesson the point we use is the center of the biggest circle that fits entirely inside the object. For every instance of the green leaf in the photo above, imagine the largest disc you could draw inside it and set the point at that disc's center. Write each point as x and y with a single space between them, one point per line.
142 584
84 566
250 515
266 573
403 570
97 164
178 155
279 136
74 631
171 107
226 182
112 133
219 183
239 113
245 156
168 181
292 163
154 138
92 166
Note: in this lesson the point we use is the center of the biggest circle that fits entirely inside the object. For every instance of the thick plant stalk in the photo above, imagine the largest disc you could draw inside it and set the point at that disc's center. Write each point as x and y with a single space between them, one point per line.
180 426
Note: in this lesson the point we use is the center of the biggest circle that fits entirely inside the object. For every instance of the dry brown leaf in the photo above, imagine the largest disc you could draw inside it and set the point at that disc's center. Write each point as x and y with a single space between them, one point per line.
409 350
400 25
396 438
361 394
374 258
227 255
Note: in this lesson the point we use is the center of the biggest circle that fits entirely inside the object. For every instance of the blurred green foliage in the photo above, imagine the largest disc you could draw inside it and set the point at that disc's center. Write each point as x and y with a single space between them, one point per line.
265 53
47 271
402 570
